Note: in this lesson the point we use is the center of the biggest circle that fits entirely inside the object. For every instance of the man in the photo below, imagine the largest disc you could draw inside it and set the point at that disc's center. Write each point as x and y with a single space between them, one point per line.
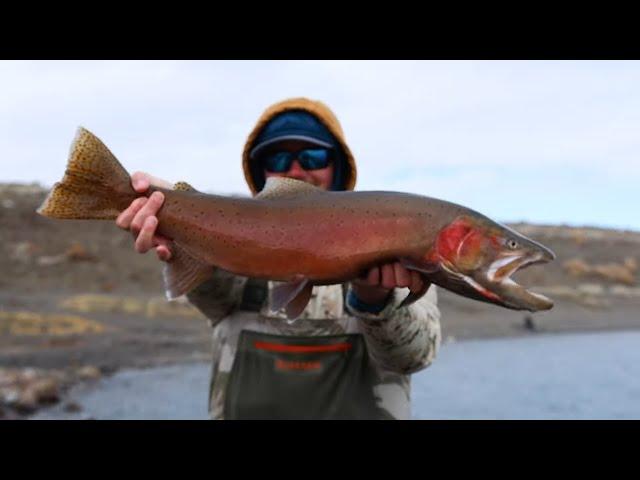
350 353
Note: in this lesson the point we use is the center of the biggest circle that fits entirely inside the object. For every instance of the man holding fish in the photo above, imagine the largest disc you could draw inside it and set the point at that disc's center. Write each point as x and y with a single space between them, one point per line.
304 283
350 350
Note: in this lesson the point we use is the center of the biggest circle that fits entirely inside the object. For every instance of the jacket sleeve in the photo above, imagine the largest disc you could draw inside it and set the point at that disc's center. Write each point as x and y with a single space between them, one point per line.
218 296
403 340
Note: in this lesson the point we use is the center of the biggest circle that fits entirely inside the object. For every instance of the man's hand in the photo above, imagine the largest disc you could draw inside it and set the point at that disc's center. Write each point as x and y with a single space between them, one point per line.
140 217
375 287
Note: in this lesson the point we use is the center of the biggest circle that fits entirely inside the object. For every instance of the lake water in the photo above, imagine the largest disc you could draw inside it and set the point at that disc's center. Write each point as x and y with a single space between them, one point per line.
585 376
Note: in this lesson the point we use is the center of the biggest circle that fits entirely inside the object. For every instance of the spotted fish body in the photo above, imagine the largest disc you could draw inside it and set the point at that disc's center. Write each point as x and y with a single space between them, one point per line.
327 237
301 235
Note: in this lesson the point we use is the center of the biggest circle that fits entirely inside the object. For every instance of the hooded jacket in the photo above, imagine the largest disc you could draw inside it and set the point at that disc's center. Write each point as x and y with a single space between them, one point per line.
255 178
399 341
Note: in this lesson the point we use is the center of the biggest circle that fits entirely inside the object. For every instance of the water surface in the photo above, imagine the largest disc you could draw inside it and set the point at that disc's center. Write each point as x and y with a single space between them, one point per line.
584 376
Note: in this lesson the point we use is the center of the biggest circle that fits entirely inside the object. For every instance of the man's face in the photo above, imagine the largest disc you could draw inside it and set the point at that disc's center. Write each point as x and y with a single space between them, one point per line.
322 178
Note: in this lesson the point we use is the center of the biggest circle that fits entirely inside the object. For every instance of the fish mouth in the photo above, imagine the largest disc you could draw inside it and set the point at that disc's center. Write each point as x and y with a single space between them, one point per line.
512 294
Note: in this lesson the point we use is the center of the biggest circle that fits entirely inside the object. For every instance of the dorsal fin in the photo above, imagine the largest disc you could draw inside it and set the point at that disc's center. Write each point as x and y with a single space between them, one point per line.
283 187
184 187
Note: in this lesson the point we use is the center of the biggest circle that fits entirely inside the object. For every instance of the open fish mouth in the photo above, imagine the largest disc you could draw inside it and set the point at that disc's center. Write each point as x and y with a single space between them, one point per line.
512 294
495 285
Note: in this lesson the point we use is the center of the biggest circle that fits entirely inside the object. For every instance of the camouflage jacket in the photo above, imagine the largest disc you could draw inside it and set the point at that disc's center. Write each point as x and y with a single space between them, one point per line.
399 341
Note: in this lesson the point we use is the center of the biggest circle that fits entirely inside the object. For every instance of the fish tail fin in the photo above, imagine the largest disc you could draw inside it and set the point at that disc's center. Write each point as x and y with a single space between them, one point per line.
94 187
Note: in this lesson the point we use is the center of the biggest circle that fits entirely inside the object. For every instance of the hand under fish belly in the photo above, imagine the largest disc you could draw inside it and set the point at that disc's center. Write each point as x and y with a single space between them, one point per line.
301 235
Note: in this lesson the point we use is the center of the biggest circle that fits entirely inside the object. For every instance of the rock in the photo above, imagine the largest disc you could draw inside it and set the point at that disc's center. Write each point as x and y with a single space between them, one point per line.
616 273
78 253
23 251
44 390
48 260
27 375
7 378
22 189
72 407
24 391
89 373
596 302
631 264
558 291
576 267
625 292
587 294
579 237
26 402
75 253
528 322
108 286
591 289
9 395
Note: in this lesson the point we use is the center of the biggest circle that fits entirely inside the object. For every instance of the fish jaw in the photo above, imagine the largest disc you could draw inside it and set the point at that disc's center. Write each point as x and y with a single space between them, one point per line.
497 279
475 257
494 284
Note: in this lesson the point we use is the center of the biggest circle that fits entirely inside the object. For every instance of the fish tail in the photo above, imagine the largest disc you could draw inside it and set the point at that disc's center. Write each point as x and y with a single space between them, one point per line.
94 187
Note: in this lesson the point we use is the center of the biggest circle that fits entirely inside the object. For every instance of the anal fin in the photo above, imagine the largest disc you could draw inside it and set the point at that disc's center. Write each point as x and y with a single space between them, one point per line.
184 272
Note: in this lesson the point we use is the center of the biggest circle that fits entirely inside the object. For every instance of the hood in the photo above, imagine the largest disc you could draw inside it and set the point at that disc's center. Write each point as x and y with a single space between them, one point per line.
322 113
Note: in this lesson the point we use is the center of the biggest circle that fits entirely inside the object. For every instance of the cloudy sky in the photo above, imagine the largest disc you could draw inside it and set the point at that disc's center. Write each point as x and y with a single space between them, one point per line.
546 142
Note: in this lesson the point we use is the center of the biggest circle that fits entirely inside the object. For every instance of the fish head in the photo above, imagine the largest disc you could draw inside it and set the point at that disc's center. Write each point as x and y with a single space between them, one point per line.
476 257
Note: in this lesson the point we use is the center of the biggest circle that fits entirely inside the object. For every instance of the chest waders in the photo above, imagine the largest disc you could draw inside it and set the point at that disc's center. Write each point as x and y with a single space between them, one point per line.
283 377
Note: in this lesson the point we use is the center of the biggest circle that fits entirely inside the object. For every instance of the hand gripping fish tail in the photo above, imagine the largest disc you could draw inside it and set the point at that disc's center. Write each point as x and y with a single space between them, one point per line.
299 235
96 186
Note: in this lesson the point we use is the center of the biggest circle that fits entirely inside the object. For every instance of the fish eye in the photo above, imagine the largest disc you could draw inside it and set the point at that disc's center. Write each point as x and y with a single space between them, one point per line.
512 244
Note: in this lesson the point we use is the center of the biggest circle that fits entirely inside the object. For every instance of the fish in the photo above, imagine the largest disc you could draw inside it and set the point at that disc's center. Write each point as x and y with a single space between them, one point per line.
299 235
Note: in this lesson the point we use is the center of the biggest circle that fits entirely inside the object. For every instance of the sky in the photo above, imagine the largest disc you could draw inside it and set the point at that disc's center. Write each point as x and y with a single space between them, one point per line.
548 142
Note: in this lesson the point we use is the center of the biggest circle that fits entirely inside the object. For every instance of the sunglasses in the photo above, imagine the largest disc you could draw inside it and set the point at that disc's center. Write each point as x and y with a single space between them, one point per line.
309 159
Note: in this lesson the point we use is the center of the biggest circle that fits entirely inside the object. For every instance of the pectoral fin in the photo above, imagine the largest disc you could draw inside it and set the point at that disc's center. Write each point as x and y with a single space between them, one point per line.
422 266
292 296
184 272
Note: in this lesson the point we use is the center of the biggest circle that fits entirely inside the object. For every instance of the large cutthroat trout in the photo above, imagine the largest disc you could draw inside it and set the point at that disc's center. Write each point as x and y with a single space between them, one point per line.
301 235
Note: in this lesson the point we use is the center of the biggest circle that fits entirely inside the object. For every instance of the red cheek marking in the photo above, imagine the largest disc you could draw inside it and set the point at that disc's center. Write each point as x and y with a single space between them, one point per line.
472 243
450 237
